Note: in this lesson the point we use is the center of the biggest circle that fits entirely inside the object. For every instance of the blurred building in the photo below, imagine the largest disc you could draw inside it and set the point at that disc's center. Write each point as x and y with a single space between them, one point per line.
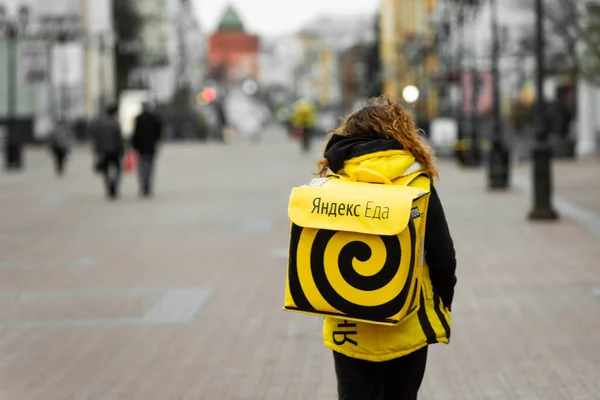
317 76
322 42
70 46
233 53
517 68
588 93
354 83
588 119
278 59
173 47
518 72
408 52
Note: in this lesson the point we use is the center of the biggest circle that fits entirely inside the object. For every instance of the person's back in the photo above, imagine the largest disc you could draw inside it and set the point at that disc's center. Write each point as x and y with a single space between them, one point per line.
60 141
304 114
147 133
376 145
62 136
304 118
108 146
146 136
105 133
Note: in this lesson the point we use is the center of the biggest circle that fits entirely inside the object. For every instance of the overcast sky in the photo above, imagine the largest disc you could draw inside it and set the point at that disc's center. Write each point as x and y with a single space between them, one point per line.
274 17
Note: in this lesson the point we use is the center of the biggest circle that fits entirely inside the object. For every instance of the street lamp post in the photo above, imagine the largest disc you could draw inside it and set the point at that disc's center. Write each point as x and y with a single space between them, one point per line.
498 171
472 156
102 44
65 104
442 21
459 62
475 148
12 28
542 191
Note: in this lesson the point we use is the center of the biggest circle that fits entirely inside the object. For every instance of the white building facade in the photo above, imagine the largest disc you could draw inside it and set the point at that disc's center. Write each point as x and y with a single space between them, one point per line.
318 76
76 75
277 61
174 46
588 117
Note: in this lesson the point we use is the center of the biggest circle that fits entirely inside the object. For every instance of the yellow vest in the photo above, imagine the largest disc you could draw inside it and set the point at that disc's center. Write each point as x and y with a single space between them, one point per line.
431 323
304 115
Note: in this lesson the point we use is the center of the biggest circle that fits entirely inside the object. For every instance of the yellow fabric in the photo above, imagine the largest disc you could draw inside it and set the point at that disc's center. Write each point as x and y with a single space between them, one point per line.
305 115
329 214
383 210
431 323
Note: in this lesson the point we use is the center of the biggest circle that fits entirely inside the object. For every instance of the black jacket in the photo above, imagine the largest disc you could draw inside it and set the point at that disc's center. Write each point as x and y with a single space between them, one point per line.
439 247
147 133
106 136
439 250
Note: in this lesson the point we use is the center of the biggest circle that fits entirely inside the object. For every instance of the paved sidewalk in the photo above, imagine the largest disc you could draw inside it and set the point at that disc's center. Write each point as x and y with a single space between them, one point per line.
179 297
577 180
576 189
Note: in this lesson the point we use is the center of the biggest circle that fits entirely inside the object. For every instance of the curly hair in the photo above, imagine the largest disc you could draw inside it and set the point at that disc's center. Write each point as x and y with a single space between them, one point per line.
385 116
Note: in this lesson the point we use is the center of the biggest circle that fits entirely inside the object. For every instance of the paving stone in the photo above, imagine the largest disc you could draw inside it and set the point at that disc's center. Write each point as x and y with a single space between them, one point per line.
525 320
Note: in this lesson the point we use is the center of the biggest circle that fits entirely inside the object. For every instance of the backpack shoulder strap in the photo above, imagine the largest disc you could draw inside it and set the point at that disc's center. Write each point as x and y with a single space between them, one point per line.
416 179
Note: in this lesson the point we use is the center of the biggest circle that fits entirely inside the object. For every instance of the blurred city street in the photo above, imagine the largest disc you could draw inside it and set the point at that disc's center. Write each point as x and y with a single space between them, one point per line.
180 296
174 290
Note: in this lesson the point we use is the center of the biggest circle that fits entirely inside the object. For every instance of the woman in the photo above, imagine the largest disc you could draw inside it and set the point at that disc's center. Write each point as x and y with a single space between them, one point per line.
374 362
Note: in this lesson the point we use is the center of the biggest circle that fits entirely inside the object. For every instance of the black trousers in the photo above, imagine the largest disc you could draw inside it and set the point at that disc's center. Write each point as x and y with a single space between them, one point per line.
59 154
398 379
111 169
13 155
306 139
146 172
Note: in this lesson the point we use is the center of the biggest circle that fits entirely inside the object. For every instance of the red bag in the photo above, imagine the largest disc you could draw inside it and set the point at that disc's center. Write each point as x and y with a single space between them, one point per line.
130 161
297 133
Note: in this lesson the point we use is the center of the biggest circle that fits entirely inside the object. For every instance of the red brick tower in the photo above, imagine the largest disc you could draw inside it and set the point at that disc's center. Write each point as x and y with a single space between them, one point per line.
232 52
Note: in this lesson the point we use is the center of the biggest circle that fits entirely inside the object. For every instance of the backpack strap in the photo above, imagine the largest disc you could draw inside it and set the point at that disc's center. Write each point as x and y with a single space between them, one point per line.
418 179
363 175
369 175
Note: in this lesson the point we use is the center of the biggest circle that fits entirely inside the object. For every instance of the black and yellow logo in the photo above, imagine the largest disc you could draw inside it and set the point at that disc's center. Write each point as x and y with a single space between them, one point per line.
353 275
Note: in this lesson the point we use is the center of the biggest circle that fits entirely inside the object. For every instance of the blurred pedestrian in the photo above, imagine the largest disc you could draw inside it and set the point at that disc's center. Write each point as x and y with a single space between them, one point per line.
146 137
108 147
222 120
60 142
13 149
304 120
380 143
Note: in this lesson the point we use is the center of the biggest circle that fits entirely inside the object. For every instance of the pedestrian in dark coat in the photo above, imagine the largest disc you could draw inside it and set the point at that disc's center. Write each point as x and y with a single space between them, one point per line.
145 140
108 147
61 141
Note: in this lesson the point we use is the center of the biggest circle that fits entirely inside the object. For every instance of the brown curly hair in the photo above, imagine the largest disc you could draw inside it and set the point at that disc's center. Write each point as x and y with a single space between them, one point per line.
385 116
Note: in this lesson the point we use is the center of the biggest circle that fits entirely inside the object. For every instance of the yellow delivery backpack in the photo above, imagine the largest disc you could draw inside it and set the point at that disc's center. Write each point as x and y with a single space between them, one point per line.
356 250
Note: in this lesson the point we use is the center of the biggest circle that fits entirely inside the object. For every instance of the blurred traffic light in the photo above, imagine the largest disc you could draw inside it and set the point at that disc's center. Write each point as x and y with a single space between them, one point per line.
207 95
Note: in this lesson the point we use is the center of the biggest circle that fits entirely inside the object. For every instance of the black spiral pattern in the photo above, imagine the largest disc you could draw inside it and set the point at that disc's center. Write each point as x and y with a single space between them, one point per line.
352 250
